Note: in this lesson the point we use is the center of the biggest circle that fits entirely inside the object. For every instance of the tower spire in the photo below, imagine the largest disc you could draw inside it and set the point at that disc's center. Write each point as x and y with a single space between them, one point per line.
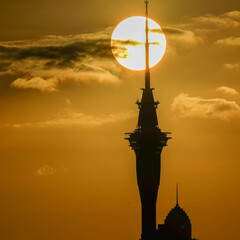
147 70
177 194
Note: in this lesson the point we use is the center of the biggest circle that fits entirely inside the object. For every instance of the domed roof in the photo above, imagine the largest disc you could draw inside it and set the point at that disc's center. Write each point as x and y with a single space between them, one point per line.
178 223
177 216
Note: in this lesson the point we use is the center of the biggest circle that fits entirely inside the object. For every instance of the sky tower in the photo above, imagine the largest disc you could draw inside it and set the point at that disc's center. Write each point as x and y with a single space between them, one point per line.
147 141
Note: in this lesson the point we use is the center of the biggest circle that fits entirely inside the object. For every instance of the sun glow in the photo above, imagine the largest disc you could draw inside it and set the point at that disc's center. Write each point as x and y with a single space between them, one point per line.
128 43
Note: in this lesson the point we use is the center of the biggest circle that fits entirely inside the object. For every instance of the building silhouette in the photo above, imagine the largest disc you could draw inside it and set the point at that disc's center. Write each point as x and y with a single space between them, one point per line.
148 141
177 225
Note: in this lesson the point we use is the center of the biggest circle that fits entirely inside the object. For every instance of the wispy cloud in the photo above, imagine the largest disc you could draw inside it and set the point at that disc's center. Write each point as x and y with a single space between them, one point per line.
226 20
128 42
59 40
232 66
71 118
227 90
210 25
120 47
68 101
232 14
45 170
50 80
230 41
39 83
181 39
184 36
217 108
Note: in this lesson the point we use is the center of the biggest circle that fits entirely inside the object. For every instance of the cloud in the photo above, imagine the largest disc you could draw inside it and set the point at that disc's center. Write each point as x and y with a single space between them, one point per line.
129 42
44 63
68 101
173 31
230 41
227 90
180 39
61 55
36 83
232 14
156 30
45 170
210 26
216 108
72 118
50 80
58 40
212 21
232 66
184 36
120 47
4 65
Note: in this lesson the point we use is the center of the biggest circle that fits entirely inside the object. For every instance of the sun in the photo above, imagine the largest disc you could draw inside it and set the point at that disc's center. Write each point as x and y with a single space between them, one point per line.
128 43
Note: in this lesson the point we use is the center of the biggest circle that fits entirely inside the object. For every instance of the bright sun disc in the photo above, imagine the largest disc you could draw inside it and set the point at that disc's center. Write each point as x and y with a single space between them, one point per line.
128 43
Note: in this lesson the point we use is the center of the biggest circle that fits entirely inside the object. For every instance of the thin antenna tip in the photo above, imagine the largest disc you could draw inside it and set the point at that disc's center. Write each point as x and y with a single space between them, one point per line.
177 193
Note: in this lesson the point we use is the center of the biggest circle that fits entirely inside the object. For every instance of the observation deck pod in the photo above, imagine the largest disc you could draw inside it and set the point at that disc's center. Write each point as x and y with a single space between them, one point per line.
148 135
155 139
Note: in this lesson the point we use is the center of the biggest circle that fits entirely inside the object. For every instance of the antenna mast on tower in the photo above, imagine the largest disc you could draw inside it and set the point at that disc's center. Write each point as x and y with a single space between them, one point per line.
177 194
147 71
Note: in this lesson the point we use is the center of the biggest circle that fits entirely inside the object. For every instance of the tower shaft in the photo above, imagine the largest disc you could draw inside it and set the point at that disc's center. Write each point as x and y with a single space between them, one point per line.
148 178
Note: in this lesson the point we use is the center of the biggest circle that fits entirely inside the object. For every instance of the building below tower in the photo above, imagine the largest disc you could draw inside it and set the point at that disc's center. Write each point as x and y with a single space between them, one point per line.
177 225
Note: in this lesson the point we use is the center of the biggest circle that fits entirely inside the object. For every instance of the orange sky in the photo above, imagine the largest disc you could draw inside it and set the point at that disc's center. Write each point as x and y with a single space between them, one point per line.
66 170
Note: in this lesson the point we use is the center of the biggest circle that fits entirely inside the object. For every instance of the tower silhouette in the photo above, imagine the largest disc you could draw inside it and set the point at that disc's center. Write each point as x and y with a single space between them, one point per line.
147 141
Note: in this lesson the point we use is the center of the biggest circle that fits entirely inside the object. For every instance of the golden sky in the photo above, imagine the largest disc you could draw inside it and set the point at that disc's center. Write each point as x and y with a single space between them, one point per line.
66 170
